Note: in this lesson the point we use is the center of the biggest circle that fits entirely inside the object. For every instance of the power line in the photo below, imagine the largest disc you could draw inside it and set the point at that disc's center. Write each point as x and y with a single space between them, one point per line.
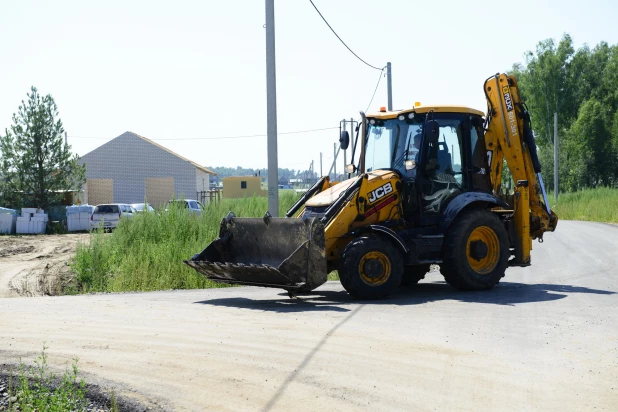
217 137
374 92
342 42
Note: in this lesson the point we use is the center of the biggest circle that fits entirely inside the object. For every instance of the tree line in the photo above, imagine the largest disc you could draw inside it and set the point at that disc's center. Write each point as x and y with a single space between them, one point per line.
284 173
579 85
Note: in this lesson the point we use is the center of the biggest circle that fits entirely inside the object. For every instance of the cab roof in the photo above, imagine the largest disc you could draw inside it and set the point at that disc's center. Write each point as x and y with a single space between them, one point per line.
426 109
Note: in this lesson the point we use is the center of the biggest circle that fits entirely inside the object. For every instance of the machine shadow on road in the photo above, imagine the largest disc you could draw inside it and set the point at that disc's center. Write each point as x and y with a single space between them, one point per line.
506 293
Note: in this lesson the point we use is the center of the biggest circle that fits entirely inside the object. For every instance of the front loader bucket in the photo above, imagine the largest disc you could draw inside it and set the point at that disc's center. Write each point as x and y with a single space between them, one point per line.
287 253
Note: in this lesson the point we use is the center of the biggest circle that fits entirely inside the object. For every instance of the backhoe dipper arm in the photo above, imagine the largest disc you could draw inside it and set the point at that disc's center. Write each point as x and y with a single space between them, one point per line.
509 136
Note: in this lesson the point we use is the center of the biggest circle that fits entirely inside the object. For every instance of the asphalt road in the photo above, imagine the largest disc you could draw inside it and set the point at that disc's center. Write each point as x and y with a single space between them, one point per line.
546 338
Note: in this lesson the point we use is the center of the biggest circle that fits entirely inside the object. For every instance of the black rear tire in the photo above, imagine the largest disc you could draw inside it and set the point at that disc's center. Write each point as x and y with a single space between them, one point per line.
476 251
370 268
414 274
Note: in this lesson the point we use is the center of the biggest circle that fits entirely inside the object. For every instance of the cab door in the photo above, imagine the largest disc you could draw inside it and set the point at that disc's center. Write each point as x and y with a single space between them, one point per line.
442 174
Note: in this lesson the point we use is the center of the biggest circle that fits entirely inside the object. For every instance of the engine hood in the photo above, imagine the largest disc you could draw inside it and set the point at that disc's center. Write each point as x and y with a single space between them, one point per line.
328 196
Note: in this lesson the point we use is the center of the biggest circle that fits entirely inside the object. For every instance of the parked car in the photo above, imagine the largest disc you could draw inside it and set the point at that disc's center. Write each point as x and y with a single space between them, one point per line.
108 215
194 206
141 207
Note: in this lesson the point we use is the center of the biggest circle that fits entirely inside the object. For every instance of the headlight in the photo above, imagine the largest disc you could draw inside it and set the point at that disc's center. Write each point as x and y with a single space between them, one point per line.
410 164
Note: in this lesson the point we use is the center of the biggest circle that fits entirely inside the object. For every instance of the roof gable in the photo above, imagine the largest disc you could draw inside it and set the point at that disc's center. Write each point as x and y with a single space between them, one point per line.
131 134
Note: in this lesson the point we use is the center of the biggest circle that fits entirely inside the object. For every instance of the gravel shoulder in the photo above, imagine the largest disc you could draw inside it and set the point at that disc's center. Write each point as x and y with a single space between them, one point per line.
546 338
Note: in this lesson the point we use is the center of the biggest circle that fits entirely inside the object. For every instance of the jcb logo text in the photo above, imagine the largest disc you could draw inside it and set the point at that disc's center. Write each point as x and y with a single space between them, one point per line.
380 192
507 98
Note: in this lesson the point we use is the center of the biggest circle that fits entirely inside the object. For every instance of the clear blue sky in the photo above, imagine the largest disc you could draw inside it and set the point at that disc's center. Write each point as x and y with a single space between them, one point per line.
191 69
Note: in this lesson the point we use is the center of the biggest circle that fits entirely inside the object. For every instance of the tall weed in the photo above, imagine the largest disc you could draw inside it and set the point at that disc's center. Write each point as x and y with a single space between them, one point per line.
147 252
36 389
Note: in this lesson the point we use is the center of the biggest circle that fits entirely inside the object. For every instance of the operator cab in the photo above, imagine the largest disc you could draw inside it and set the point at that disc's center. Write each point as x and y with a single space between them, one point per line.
434 165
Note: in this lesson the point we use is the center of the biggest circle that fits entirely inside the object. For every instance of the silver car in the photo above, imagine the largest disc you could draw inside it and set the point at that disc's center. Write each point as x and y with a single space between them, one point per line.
142 207
107 216
194 206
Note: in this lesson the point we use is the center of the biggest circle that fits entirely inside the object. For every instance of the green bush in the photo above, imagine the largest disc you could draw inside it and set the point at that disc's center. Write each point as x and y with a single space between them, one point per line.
147 251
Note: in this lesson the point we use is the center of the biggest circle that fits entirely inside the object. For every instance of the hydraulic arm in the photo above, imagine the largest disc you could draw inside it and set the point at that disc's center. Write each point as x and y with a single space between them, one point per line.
509 138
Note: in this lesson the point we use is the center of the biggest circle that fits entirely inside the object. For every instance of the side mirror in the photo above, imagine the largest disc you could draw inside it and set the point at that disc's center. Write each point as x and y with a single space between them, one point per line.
344 140
432 131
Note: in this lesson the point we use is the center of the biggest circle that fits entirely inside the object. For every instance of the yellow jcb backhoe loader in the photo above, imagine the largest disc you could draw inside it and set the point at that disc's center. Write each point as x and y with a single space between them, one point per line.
426 190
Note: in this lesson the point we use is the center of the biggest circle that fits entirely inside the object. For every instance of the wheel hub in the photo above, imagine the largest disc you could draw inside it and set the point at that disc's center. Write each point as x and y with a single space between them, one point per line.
478 250
373 268
483 250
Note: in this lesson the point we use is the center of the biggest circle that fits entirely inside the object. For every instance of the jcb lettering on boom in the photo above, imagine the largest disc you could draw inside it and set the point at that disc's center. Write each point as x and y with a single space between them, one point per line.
507 98
380 192
508 101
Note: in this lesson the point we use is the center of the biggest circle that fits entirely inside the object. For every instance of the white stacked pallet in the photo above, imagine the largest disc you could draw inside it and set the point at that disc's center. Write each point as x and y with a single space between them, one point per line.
31 221
78 217
22 225
8 219
38 222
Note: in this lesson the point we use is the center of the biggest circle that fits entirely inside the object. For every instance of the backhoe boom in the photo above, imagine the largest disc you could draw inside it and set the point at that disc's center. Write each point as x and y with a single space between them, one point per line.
509 138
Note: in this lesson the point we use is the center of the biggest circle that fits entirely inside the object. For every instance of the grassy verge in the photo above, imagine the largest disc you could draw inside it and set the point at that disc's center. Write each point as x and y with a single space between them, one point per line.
35 388
146 252
599 205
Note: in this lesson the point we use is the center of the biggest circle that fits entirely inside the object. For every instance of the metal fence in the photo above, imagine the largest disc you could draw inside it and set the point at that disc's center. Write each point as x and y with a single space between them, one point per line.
208 196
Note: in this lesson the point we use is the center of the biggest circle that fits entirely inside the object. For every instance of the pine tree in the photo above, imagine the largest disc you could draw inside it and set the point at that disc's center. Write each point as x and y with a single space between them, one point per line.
37 165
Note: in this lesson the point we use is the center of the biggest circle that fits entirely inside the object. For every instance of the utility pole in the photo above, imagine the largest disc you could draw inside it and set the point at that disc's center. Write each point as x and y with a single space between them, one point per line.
271 111
389 85
321 172
65 139
332 165
335 161
556 156
352 135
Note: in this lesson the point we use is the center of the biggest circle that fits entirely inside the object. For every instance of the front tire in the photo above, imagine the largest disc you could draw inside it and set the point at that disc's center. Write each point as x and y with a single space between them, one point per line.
476 251
370 268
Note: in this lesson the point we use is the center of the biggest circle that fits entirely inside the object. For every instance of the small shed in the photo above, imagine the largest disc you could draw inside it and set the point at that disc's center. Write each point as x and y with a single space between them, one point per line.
242 186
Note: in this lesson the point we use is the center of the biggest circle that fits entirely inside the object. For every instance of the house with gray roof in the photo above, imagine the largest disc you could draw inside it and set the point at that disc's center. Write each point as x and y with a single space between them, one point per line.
131 168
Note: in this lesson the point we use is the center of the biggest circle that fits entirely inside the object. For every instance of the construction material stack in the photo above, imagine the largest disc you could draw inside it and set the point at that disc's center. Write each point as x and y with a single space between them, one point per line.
32 221
78 217
8 218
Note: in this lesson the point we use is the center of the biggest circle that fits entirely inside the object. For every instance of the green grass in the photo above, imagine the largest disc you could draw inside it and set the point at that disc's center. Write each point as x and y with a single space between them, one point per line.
599 205
36 390
147 252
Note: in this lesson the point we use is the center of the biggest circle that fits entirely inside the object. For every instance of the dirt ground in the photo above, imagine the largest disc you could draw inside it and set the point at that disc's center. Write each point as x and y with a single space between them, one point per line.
36 265
545 339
